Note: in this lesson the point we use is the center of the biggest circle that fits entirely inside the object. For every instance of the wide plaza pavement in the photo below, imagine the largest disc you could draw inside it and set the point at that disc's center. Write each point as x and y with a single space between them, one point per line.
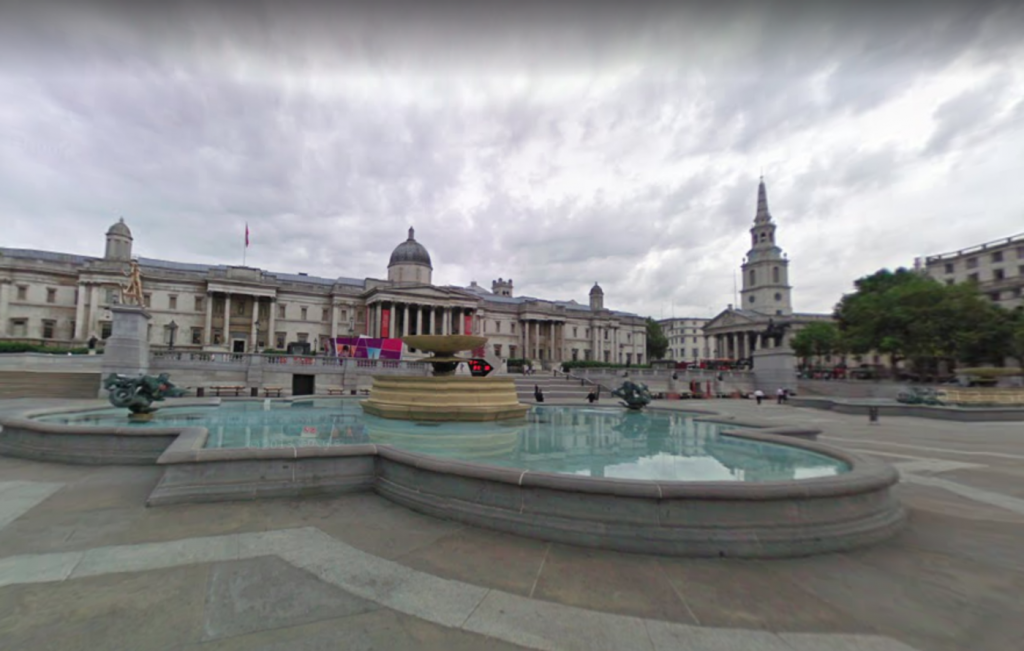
85 565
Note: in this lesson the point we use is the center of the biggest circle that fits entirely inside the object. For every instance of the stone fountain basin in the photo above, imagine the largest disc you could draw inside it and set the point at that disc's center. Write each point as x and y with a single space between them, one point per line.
444 344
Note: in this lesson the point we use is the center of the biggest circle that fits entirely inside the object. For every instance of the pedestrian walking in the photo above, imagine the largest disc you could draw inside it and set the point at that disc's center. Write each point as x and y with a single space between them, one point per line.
780 395
759 396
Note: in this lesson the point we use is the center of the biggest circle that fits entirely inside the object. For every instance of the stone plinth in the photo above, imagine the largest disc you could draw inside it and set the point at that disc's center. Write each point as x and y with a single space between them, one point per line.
127 350
774 368
444 398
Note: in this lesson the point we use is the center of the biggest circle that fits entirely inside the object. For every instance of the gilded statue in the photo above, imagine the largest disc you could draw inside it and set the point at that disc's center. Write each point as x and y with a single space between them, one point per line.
132 294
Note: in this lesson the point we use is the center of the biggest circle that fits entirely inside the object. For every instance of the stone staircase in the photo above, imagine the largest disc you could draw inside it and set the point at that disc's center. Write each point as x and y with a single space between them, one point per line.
556 389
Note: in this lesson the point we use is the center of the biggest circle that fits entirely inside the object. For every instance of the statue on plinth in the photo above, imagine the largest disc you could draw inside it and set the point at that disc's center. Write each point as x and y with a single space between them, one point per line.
139 393
775 332
634 395
132 294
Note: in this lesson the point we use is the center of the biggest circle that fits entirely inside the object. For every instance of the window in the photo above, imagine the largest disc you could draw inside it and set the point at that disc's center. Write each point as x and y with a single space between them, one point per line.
197 336
1020 252
51 295
513 327
695 353
106 329
1020 270
752 299
606 336
147 300
217 337
19 327
303 312
497 350
512 351
281 310
775 274
279 340
326 315
497 326
972 263
200 303
239 308
302 337
574 335
22 292
753 277
629 337
71 329
949 267
586 333
998 274
972 278
778 297
111 295
172 302
997 256
149 332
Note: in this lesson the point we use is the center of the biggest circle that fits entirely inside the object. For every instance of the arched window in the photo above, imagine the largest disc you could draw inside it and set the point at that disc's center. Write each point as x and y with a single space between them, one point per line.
753 277
762 237
775 274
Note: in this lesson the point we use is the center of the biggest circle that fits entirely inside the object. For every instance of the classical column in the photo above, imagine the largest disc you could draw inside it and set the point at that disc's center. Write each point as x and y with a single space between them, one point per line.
376 326
94 311
272 322
334 322
391 322
253 343
208 332
226 338
405 320
535 339
5 291
445 321
419 319
79 311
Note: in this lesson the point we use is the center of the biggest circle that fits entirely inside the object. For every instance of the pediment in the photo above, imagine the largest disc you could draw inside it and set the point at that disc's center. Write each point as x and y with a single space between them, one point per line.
728 318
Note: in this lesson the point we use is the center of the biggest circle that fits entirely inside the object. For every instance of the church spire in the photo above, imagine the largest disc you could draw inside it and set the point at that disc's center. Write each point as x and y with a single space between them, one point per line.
762 216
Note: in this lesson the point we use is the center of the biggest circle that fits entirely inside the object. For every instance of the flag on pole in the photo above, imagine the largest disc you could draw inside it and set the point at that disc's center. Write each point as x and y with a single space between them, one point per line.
247 235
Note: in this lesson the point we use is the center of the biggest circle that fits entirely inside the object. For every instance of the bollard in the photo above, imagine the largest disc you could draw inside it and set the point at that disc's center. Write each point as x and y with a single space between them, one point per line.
873 415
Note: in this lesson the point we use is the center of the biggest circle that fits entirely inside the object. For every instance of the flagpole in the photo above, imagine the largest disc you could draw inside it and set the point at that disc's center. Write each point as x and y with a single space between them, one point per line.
245 245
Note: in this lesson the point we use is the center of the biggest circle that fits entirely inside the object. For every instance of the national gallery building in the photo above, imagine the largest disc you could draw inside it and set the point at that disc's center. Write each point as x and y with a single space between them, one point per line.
60 298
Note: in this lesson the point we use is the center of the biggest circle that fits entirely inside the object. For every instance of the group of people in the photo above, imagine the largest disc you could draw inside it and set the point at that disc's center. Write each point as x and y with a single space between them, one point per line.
592 397
781 395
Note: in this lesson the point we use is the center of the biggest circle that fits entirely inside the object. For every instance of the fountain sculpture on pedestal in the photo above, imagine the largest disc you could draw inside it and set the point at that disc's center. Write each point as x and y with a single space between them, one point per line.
444 396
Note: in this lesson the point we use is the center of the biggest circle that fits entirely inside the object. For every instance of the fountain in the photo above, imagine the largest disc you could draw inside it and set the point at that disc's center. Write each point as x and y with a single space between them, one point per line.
443 396
139 393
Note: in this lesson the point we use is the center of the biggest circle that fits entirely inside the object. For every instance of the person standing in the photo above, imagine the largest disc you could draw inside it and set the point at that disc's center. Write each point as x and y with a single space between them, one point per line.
780 395
759 396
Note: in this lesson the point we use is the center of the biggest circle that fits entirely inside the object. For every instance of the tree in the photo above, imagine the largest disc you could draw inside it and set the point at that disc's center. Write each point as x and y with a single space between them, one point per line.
908 315
657 342
816 339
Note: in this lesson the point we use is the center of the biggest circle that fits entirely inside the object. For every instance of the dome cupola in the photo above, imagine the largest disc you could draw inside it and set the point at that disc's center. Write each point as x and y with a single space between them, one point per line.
410 262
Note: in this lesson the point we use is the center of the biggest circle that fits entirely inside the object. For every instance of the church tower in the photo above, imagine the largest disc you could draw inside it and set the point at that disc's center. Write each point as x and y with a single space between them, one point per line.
766 286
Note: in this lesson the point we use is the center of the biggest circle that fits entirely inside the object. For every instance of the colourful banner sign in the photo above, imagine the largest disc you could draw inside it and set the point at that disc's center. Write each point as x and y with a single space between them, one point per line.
368 348
385 324
469 325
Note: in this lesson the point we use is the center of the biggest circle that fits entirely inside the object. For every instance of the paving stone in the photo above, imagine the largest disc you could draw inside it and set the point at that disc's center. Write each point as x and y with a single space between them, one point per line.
265 593
146 611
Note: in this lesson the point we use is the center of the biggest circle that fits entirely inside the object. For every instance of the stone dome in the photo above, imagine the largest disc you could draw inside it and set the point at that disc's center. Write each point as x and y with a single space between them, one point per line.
120 228
596 289
410 252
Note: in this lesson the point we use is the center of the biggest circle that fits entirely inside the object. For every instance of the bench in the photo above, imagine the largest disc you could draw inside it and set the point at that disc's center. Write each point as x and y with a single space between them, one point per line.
276 391
219 391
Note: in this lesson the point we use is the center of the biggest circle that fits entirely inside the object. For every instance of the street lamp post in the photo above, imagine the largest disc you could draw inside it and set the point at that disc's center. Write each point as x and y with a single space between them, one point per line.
173 327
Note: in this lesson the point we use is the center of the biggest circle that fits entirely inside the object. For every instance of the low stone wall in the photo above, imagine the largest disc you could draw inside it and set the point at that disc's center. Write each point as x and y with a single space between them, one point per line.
958 414
51 383
28 439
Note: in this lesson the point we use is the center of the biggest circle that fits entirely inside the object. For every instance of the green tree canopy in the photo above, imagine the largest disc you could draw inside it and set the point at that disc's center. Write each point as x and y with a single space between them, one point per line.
909 315
816 339
657 342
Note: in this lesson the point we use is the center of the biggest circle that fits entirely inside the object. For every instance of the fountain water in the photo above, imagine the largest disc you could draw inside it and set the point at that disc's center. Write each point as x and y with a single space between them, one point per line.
444 396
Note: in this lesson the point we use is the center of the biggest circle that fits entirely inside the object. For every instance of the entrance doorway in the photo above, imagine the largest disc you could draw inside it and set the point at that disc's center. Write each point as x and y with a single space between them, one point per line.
238 346
303 385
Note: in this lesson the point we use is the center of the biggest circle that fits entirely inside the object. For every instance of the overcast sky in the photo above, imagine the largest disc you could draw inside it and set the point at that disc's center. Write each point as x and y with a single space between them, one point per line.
555 148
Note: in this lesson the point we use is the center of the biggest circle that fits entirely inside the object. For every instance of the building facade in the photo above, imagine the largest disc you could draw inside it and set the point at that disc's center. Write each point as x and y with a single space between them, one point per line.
997 268
766 295
64 299
686 339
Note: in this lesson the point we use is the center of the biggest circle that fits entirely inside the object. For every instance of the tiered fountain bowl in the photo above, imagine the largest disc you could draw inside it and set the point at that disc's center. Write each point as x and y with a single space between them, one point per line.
444 396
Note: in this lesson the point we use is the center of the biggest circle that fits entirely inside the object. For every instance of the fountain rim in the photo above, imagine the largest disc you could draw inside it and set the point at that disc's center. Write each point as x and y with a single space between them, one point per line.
189 447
